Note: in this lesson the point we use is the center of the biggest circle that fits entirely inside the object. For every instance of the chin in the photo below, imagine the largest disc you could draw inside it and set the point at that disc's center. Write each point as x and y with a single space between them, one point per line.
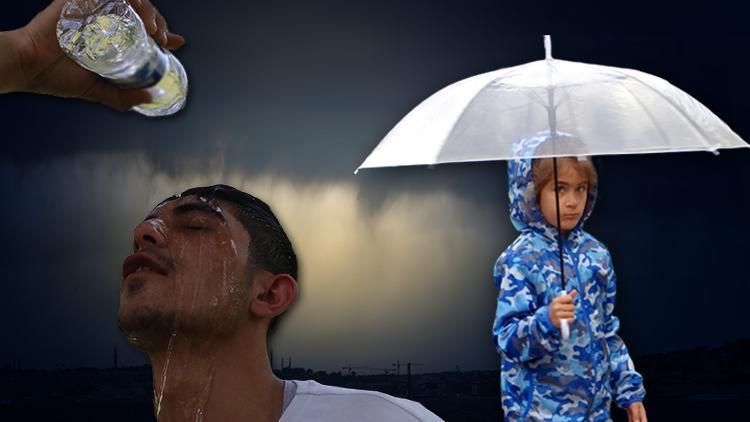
146 326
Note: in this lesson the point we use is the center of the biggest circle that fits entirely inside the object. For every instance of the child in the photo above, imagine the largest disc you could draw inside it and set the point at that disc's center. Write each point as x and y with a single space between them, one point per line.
544 377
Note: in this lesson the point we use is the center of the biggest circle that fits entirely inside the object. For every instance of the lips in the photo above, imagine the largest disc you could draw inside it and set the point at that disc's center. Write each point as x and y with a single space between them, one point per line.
569 216
142 261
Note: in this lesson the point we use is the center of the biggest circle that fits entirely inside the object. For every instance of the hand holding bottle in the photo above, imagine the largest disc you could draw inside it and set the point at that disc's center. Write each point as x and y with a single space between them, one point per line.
31 60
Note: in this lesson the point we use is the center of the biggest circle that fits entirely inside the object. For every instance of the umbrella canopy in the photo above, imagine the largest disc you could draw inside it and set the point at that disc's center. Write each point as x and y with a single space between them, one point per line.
605 110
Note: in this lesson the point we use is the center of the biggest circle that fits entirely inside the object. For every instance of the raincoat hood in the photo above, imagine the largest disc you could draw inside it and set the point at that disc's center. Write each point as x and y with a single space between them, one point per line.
525 213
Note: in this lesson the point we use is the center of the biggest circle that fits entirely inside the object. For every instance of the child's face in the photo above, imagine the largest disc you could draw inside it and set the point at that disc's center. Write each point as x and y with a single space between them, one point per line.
573 188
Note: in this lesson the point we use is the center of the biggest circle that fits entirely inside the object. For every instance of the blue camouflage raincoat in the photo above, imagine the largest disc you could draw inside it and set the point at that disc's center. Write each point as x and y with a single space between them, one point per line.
542 376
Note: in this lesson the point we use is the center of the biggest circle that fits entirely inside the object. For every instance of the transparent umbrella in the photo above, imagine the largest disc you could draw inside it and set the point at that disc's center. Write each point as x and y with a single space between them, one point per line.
608 110
579 109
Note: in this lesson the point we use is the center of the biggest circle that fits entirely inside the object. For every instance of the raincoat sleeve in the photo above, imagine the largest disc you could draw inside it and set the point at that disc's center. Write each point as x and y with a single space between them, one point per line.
626 383
522 331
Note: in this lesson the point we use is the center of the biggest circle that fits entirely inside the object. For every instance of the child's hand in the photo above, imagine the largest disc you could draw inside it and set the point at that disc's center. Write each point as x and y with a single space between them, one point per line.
562 307
636 412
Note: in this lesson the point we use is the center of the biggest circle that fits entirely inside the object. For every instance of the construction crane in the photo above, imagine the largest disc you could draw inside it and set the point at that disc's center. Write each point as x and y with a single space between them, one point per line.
398 365
367 368
348 369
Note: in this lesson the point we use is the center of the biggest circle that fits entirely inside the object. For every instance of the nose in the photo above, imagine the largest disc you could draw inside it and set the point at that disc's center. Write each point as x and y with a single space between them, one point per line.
149 234
570 201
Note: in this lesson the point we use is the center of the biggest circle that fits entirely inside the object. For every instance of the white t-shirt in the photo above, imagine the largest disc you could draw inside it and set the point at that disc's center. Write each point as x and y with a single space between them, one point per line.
316 402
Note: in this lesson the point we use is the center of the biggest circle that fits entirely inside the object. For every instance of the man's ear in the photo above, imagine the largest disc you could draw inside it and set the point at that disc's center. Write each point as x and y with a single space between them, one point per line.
272 294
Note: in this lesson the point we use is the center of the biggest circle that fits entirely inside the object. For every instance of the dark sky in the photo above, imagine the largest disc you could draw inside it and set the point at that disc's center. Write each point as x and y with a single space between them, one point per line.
286 100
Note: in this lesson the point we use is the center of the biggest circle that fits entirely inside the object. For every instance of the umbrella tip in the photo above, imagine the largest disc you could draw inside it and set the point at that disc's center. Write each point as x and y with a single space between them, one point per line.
548 47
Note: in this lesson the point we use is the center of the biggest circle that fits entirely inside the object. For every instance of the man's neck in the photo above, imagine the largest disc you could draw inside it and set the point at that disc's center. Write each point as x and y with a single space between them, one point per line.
224 379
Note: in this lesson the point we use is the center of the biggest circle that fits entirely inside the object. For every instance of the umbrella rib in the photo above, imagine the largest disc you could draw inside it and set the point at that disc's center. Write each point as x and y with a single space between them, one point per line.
503 73
571 117
436 157
648 113
670 102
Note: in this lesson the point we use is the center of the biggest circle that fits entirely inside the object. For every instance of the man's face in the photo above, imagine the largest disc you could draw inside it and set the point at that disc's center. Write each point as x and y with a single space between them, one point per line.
188 273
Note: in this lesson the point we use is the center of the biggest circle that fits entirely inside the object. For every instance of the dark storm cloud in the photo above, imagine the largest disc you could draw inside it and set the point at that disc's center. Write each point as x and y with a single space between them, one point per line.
309 89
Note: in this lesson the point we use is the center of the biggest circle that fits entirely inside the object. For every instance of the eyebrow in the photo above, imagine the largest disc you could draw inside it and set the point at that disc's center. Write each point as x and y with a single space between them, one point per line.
193 206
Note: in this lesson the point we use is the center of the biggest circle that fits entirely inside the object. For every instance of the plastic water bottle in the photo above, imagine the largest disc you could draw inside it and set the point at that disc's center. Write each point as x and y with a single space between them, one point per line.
108 37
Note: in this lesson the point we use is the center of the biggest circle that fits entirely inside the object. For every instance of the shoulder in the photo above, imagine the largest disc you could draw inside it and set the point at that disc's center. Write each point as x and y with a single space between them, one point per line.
592 245
317 402
519 251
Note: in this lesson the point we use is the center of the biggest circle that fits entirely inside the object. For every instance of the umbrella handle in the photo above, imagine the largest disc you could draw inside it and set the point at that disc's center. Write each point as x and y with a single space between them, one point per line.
564 327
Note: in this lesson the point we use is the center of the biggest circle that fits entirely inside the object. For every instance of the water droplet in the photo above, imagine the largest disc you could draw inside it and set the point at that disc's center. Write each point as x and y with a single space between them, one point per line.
158 399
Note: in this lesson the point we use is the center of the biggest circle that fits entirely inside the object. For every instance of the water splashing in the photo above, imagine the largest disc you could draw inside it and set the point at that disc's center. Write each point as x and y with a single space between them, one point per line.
158 399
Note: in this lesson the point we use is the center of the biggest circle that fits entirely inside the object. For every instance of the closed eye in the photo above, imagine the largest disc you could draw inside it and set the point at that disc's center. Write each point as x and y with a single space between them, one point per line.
195 228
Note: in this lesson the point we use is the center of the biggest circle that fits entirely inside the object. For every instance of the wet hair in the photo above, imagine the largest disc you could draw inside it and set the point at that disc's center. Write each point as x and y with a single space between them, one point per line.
542 171
270 248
